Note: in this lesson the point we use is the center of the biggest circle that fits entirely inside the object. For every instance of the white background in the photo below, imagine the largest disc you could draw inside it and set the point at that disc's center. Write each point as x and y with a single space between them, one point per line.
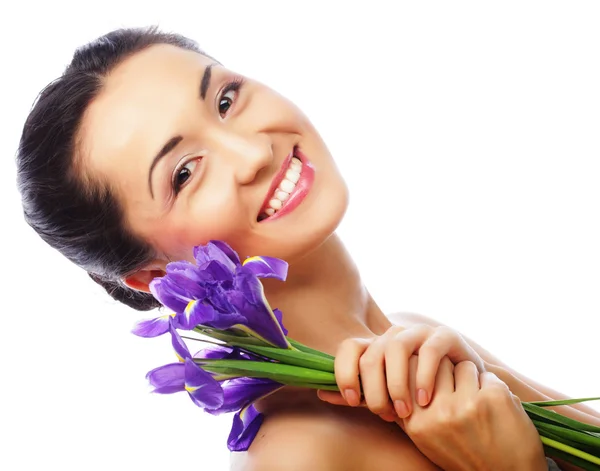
468 133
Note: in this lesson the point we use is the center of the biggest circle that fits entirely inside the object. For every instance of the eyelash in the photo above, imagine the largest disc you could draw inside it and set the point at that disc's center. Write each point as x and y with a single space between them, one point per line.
233 86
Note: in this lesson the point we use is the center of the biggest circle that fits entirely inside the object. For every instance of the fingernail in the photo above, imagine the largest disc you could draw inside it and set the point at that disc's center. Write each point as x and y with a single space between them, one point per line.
401 409
351 397
422 398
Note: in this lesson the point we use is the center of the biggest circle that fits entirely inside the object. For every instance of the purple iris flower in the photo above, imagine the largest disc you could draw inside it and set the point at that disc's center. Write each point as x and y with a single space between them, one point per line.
204 390
246 424
239 394
218 292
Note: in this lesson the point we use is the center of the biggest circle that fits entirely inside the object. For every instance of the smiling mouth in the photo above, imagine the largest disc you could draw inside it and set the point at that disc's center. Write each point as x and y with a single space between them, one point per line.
289 186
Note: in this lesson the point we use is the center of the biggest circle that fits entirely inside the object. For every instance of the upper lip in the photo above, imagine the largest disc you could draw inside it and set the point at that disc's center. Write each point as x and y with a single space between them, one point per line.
279 176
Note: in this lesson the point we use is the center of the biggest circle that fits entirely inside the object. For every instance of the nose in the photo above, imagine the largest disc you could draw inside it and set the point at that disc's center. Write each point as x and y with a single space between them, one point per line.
248 155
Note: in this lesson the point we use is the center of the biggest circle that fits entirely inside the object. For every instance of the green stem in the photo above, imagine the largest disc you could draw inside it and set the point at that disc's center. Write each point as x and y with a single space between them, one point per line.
260 369
306 349
291 357
583 464
228 337
570 450
576 437
323 387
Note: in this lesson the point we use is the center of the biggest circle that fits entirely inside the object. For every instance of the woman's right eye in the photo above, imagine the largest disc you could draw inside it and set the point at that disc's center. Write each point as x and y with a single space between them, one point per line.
183 174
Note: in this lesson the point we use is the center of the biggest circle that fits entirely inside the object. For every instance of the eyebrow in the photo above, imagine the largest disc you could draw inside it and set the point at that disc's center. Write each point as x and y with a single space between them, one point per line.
174 141
205 83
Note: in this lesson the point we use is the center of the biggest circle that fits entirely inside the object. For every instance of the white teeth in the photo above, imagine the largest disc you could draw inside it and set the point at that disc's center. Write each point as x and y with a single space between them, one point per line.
287 185
292 176
281 195
275 204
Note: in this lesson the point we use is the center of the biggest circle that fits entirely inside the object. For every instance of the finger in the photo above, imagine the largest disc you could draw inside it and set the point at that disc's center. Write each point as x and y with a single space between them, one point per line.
414 340
445 378
372 378
434 348
347 370
466 379
398 351
334 397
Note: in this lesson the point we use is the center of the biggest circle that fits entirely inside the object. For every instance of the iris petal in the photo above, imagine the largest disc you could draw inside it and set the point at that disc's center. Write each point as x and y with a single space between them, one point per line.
152 327
239 392
169 294
245 426
259 318
266 267
205 391
217 251
167 379
179 345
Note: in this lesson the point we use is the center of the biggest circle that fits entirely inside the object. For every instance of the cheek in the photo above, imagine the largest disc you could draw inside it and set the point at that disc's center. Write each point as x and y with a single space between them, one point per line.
202 218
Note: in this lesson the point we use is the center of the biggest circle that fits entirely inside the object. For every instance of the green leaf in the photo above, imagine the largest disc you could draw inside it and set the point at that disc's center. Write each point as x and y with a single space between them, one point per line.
293 357
306 349
261 369
564 402
554 417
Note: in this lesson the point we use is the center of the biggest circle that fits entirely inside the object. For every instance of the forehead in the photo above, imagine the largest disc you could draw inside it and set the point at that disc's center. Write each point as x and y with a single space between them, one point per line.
139 107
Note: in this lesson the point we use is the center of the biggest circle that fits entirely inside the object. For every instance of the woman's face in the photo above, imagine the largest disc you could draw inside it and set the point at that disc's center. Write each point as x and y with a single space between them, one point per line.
196 152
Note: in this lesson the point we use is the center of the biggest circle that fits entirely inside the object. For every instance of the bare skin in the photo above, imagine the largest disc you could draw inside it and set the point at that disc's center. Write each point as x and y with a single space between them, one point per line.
212 185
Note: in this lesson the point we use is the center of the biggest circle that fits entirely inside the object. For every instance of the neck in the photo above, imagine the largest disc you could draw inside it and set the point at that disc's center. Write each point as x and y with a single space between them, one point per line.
324 300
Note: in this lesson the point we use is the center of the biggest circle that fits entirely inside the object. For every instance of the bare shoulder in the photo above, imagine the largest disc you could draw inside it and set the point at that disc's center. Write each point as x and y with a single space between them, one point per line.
297 445
352 441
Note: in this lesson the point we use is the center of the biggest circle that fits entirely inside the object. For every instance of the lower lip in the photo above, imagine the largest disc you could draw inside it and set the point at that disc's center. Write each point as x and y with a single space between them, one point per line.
307 177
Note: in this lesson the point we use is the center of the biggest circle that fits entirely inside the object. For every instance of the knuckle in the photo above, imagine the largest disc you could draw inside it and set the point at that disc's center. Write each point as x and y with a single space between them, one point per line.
425 329
395 330
367 362
496 394
446 332
470 410
351 344
465 366
430 350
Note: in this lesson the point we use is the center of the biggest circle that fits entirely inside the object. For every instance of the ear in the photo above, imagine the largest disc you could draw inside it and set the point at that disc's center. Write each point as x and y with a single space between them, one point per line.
140 280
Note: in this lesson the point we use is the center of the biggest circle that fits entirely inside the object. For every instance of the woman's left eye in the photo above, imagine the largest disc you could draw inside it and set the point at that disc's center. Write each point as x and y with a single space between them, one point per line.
228 96
183 174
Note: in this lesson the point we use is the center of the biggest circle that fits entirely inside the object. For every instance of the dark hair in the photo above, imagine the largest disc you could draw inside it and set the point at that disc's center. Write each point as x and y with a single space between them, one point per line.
80 218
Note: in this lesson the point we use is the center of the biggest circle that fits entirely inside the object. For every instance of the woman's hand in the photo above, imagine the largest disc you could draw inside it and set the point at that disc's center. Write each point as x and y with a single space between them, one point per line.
381 365
473 422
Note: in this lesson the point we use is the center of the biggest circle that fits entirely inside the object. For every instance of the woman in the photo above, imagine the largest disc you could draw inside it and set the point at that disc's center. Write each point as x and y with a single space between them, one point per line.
147 147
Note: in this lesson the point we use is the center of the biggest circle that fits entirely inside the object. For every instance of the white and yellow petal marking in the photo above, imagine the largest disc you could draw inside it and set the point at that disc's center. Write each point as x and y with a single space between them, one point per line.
189 307
256 258
192 389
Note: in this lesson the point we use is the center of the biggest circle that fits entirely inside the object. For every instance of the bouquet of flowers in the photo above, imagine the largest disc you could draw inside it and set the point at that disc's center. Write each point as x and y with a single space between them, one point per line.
250 356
